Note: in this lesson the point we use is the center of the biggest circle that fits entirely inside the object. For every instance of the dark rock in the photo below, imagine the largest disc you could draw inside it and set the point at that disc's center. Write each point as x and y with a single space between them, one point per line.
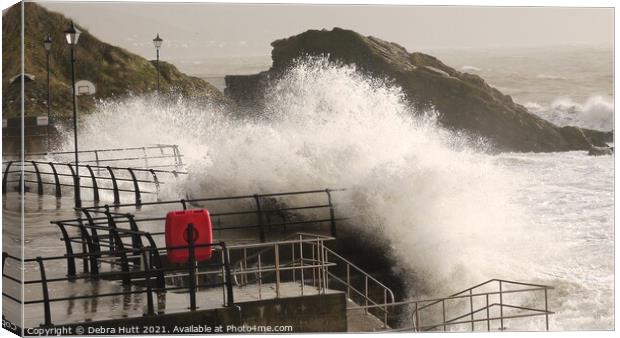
465 101
600 151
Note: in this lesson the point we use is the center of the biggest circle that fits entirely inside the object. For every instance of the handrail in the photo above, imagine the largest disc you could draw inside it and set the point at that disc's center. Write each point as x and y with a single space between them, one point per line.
211 199
255 264
150 268
112 219
421 304
331 252
156 146
259 210
126 174
387 293
163 151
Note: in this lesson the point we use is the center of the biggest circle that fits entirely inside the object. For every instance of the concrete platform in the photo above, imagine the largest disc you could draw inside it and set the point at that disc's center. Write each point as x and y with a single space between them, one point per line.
310 313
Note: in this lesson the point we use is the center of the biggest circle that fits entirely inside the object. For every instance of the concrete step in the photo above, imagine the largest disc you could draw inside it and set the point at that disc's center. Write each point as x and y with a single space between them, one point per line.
359 321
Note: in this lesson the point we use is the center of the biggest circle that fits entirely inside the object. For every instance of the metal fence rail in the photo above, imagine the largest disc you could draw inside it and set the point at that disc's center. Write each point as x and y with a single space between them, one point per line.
282 261
152 156
474 306
361 287
260 211
36 175
305 259
149 277
150 273
107 226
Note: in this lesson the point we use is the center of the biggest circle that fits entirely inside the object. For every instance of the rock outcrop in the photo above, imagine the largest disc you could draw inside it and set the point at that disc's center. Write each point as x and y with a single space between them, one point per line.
600 151
465 101
114 71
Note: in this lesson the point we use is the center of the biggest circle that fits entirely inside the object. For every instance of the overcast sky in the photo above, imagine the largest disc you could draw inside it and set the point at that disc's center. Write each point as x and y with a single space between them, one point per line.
216 30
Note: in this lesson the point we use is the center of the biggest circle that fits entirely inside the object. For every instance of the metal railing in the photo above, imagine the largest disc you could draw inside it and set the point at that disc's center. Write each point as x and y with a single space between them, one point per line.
150 274
305 259
101 224
362 288
36 175
474 307
147 157
262 212
282 261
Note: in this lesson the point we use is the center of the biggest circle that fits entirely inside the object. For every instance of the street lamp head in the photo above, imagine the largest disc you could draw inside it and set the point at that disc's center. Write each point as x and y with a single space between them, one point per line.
72 34
47 43
157 41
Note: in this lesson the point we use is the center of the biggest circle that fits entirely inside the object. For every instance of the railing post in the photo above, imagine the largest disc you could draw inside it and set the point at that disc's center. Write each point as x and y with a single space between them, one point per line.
21 189
136 187
119 245
366 294
331 212
293 260
117 199
69 250
191 267
277 263
136 240
94 180
5 177
417 318
96 246
39 181
259 214
385 309
260 278
224 279
501 307
184 204
443 312
313 264
146 265
156 181
97 162
5 255
56 180
244 265
324 267
301 260
348 280
87 247
546 312
111 224
146 158
229 284
488 321
177 156
161 282
46 297
76 185
317 264
471 308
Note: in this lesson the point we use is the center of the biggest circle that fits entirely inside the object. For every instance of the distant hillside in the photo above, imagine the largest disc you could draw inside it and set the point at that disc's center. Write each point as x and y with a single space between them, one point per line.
115 71
465 101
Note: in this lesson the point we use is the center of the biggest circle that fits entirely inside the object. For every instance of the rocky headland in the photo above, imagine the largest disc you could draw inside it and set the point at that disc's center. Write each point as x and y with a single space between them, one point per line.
115 71
465 102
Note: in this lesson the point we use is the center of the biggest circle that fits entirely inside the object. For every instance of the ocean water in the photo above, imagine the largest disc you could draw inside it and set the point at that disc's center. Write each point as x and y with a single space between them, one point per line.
451 214
568 85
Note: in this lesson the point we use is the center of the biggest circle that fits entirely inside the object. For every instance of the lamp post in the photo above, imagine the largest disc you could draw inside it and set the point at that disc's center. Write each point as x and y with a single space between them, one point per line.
47 43
157 42
73 34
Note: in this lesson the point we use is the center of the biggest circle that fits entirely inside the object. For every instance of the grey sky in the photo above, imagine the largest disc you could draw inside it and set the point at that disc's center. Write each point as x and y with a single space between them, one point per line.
198 31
